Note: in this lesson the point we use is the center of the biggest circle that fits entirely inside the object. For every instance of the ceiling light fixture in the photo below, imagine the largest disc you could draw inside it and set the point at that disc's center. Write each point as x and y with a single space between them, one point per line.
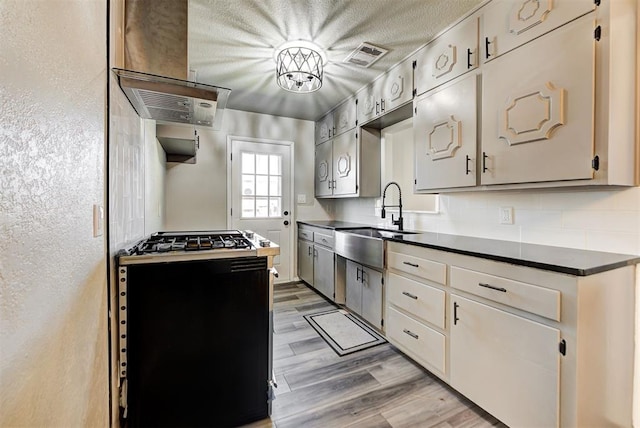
299 66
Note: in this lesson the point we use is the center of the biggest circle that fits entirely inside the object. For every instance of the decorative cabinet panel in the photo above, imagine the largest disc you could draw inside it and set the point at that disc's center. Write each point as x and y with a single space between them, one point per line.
324 169
324 128
370 103
511 23
537 109
397 86
444 128
349 165
364 292
447 57
506 364
344 117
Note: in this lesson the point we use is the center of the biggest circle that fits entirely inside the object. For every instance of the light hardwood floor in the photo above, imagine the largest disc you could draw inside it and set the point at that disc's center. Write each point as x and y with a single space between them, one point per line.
376 387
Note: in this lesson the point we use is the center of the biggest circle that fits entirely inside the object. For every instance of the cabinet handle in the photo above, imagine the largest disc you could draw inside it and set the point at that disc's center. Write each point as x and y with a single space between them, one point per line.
315 253
484 162
309 250
467 165
377 107
382 105
482 284
329 184
413 296
486 48
411 264
410 333
455 313
358 274
469 53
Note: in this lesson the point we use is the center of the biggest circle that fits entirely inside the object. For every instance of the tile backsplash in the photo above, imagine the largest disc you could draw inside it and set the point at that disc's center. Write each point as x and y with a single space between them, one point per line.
601 220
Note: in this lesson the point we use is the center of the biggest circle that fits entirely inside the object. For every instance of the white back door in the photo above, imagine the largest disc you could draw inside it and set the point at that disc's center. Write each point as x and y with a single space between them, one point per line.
261 191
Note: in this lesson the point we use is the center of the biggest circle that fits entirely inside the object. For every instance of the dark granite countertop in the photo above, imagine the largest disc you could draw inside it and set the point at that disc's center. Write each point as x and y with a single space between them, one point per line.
557 259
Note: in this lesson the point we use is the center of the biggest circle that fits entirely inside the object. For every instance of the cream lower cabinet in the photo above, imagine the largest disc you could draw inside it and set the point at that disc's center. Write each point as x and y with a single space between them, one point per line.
506 364
533 347
323 271
305 261
316 259
364 292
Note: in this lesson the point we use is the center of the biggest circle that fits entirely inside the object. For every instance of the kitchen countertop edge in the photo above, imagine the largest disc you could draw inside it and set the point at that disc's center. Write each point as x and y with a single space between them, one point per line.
509 252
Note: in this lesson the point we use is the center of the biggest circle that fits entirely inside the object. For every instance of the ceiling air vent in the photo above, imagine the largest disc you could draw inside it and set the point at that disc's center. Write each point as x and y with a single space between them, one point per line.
365 55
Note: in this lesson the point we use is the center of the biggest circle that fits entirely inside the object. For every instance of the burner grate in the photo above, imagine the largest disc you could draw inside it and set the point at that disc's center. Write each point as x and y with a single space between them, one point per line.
190 241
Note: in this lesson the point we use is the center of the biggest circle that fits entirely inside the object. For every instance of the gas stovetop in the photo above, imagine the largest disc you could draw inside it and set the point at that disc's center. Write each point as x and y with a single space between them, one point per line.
189 245
162 242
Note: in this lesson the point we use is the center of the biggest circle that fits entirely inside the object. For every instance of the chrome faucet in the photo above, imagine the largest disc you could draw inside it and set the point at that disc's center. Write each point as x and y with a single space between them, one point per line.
383 214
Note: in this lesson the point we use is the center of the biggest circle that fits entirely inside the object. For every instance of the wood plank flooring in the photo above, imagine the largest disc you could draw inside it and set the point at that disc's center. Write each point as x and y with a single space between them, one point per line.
376 387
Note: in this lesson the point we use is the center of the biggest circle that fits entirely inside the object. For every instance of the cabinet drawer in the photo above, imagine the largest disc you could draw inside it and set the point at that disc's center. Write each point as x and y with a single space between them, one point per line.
420 300
531 298
423 268
323 239
305 234
419 341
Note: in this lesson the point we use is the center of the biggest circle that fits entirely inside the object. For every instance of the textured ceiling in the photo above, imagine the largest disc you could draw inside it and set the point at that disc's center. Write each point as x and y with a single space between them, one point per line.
231 44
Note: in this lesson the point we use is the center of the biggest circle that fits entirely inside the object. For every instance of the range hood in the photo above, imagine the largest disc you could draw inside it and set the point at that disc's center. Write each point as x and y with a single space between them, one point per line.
156 70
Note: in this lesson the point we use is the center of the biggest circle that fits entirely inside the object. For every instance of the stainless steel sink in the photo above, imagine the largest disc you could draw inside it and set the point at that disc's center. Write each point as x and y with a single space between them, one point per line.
365 245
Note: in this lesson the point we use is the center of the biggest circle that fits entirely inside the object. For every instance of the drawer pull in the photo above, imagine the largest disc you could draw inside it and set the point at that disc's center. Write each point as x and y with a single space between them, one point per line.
410 333
413 296
324 240
481 284
411 264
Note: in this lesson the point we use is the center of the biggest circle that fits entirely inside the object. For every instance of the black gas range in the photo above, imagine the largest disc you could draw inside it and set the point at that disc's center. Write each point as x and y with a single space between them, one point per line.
195 330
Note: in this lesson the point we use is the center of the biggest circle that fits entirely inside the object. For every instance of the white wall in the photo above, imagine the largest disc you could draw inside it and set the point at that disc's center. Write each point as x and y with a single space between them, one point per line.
196 194
53 300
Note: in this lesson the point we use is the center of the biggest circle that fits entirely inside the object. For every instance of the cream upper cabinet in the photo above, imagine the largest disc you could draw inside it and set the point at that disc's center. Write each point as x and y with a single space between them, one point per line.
444 128
537 109
344 117
453 53
397 86
348 165
324 169
324 128
370 101
511 23
345 164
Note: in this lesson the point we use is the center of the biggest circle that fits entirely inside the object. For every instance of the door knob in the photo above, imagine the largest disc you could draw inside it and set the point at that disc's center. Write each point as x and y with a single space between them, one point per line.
286 222
286 213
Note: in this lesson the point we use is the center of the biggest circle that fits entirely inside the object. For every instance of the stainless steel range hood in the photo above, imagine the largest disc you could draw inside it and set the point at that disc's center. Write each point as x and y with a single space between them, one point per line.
156 69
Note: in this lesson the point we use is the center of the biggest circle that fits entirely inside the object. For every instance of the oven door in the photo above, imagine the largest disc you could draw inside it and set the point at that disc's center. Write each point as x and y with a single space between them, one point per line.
198 342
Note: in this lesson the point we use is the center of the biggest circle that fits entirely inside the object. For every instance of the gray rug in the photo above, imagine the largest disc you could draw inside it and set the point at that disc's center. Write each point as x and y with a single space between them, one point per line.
344 332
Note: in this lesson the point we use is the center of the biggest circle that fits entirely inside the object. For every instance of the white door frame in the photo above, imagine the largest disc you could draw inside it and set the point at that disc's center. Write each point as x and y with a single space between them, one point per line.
230 139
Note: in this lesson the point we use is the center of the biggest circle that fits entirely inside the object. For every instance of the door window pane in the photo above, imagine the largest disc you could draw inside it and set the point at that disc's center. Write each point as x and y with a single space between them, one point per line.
262 207
274 207
262 185
248 163
248 207
248 185
275 189
275 165
262 164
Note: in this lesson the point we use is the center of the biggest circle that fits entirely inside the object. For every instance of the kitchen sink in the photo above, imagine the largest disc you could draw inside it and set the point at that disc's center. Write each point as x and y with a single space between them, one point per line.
365 245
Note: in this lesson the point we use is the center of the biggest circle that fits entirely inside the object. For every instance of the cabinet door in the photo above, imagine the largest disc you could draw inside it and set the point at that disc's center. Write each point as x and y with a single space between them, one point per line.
353 299
537 109
324 128
372 296
344 116
369 101
345 164
323 271
506 364
305 261
398 86
444 133
511 23
450 55
323 169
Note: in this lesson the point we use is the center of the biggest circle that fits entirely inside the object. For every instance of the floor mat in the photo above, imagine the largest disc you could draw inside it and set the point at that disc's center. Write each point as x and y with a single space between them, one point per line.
344 332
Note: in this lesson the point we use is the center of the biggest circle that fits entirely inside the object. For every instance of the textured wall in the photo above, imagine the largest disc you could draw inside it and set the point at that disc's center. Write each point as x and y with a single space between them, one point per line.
53 335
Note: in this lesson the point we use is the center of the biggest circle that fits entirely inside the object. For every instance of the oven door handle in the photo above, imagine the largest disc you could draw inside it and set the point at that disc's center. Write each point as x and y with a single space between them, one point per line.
274 272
